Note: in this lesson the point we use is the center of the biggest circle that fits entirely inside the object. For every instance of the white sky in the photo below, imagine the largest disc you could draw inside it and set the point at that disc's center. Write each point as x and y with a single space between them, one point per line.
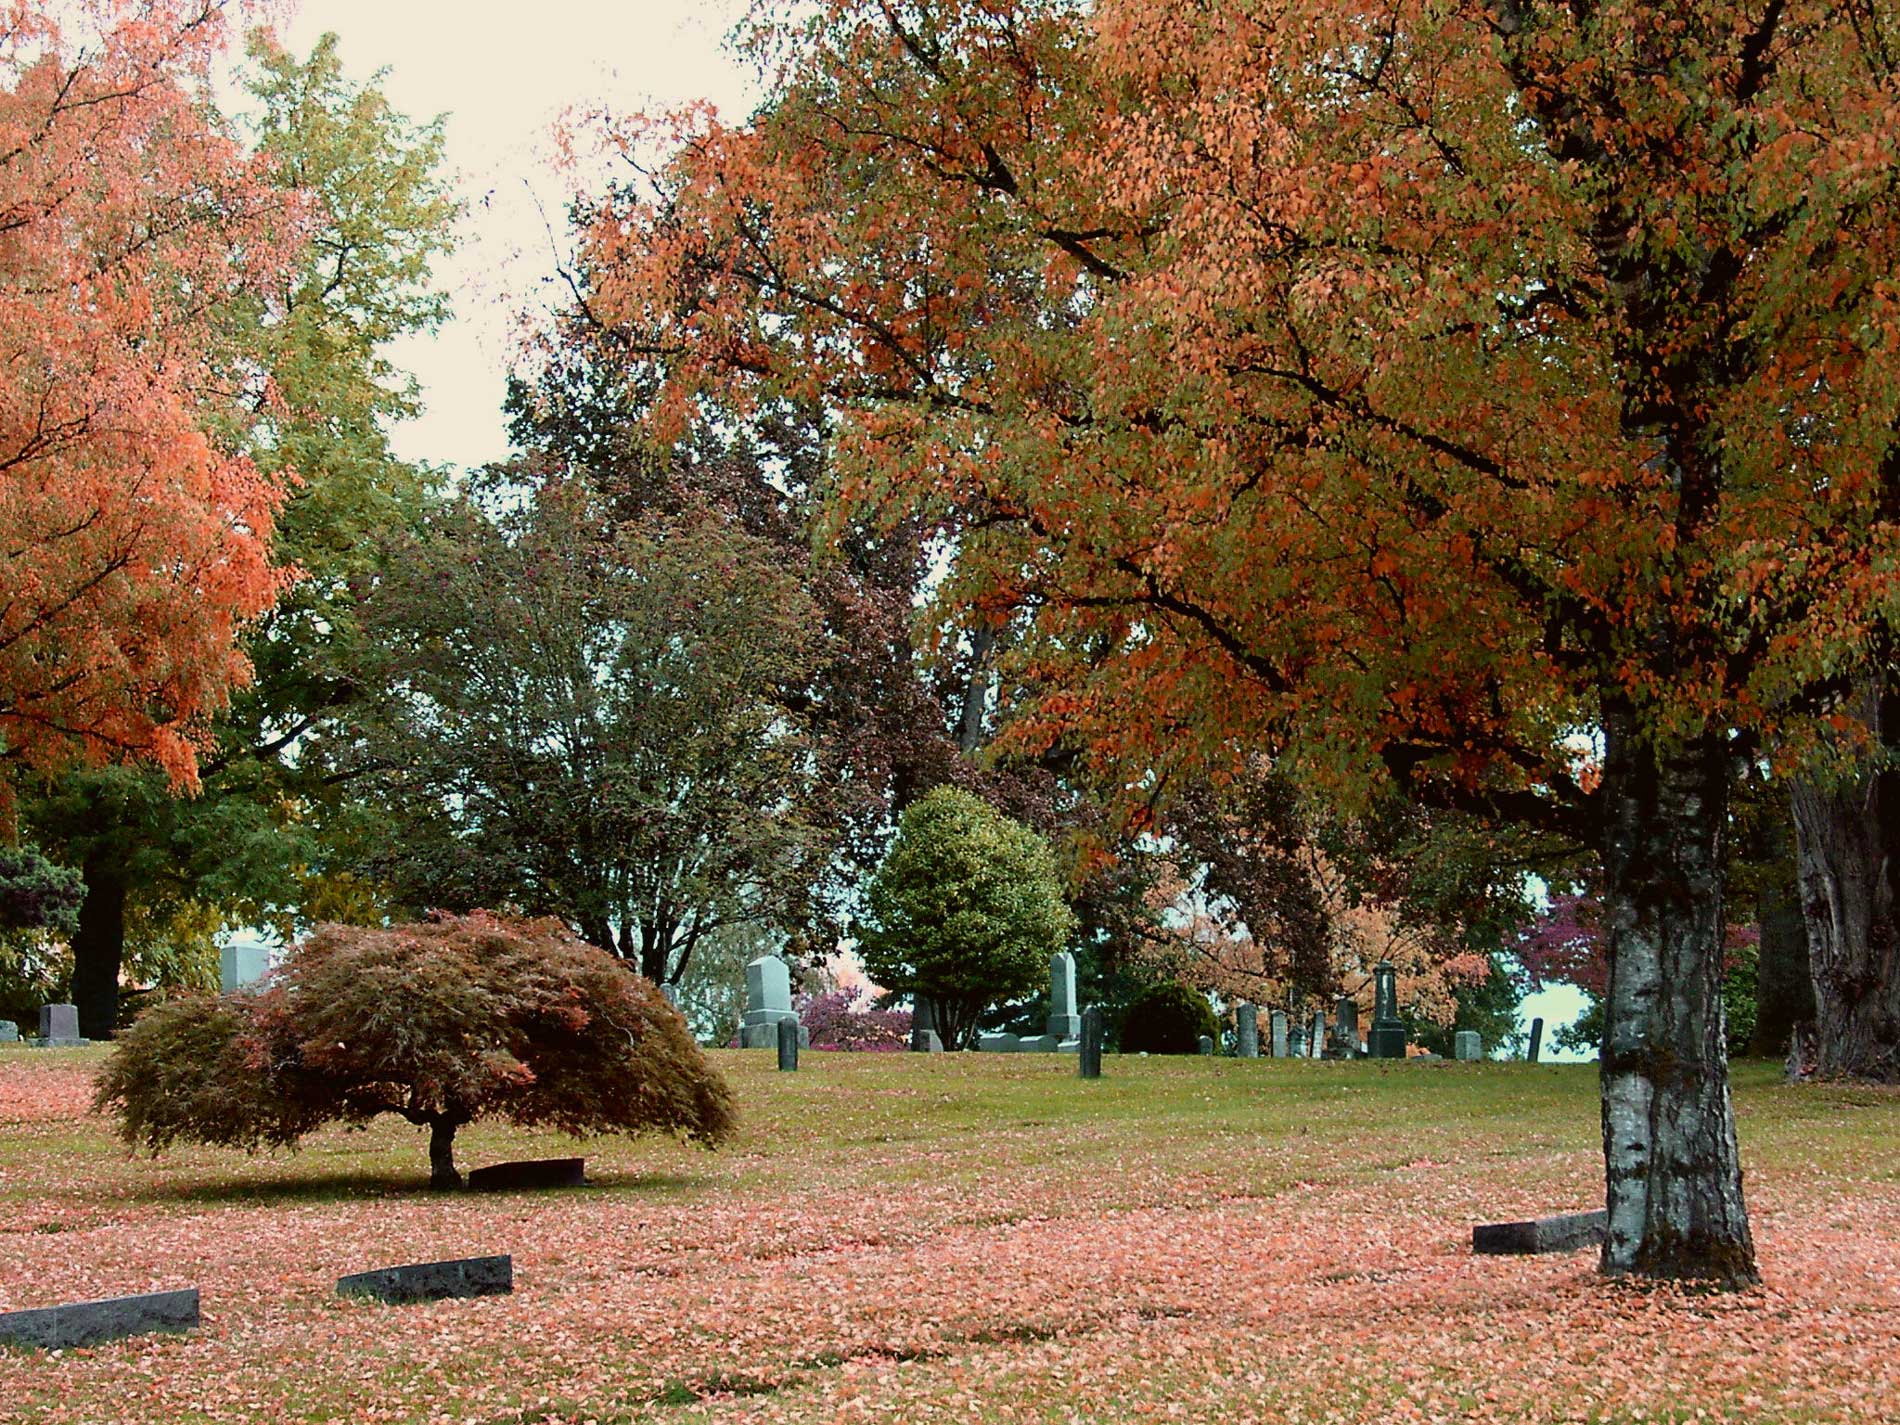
503 79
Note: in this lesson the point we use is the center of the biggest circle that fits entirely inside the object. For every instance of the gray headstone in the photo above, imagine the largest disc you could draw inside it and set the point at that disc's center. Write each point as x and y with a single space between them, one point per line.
241 963
1276 1028
433 1281
1041 1043
1206 1044
768 986
998 1043
1296 1037
1346 1026
85 1323
1316 1035
9 1032
1570 1232
1387 1039
1537 1040
1467 1045
924 1038
529 1175
768 996
59 1026
787 1046
1091 1053
1064 1022
1247 1031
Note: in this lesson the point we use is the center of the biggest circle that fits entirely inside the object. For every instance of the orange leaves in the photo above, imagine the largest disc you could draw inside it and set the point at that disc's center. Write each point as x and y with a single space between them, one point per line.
132 547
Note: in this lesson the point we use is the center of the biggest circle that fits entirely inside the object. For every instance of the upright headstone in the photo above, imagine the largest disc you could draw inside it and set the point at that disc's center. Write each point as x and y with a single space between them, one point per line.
788 1046
1296 1037
9 1032
1206 1044
59 1026
1467 1046
1316 1035
1387 1039
241 963
1537 1039
768 993
1276 1029
1346 1026
924 1038
1247 1031
1091 1056
1064 1022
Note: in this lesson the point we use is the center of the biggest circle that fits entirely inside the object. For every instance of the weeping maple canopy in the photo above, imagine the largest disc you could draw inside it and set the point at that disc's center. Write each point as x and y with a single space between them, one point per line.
132 546
441 1023
1496 398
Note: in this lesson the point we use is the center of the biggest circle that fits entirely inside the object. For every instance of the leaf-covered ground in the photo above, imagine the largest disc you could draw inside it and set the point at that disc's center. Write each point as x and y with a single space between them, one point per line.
898 1238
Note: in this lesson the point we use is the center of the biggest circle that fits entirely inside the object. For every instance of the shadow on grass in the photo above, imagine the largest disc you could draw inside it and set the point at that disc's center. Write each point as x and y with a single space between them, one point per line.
359 1186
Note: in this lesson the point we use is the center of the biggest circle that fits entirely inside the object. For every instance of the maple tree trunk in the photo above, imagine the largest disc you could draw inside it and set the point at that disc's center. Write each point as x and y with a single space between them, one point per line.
99 946
1671 1165
1848 846
442 1173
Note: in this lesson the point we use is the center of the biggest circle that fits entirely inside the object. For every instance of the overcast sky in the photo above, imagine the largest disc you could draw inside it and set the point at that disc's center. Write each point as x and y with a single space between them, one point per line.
503 86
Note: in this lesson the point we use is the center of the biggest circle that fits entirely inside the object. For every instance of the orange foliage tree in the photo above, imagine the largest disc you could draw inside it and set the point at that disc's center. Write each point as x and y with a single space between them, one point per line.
1450 395
132 545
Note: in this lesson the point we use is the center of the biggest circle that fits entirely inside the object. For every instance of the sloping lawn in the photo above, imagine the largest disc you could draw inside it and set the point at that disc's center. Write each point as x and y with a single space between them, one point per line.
900 1238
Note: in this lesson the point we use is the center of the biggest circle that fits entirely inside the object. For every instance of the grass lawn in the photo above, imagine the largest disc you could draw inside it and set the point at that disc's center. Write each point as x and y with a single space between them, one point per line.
900 1238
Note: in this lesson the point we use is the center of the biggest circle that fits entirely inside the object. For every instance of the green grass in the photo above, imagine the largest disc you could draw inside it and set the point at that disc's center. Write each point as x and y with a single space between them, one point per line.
961 1237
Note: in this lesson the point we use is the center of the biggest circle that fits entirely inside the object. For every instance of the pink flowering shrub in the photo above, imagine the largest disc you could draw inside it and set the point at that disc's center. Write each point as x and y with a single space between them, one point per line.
844 1019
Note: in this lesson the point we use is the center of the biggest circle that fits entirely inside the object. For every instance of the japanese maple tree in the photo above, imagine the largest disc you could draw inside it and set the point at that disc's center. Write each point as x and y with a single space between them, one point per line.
441 1023
133 546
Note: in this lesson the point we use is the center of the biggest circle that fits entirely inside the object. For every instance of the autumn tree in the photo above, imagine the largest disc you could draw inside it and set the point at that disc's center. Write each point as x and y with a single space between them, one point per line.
306 387
594 718
1491 400
440 1023
134 543
965 910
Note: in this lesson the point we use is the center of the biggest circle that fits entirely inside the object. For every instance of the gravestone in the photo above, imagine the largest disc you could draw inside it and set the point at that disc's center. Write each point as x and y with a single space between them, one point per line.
1316 1035
1346 1026
529 1175
1537 1040
788 1046
1247 1031
86 1323
59 1026
1467 1046
924 1038
1276 1030
998 1043
1296 1037
768 998
1570 1232
1387 1039
1064 1022
9 1032
1091 1048
433 1281
1206 1044
242 963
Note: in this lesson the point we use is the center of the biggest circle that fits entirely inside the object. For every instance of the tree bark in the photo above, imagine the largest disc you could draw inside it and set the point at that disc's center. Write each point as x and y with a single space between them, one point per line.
1848 839
1672 1168
442 1173
99 945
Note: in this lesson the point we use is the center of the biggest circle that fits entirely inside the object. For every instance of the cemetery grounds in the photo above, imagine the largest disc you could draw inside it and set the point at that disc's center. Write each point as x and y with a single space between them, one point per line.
903 1238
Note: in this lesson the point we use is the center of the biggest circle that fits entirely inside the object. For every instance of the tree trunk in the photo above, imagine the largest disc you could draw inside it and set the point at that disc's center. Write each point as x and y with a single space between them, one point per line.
1671 1165
99 945
1848 839
442 1173
1784 985
976 692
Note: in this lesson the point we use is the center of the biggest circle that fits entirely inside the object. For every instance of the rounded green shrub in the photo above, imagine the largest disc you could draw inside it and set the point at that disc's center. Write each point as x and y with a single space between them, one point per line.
1166 1018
